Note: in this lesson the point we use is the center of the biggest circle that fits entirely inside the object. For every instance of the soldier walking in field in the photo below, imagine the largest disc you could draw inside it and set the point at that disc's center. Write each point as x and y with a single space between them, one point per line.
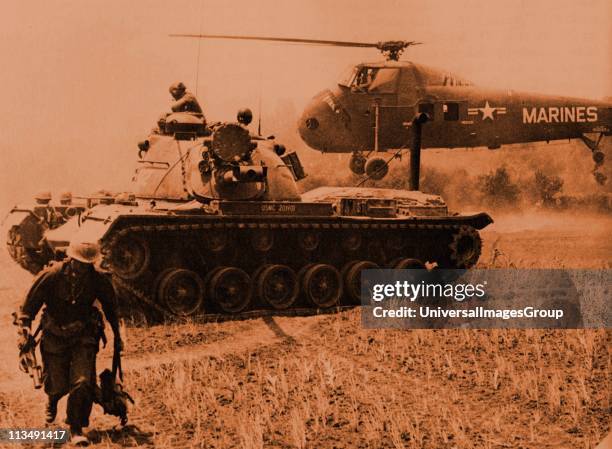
72 327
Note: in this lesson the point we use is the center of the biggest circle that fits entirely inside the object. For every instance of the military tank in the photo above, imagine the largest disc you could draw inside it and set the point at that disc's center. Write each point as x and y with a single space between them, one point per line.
216 225
27 226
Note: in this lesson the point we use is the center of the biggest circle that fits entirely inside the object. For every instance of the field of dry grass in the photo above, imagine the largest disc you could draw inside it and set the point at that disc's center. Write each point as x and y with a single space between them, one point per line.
324 382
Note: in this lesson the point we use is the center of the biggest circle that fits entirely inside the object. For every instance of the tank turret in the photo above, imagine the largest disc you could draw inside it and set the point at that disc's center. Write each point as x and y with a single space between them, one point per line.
225 162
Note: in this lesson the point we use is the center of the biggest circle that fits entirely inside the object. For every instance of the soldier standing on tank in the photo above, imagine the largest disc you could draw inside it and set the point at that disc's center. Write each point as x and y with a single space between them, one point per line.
66 198
185 101
44 211
43 198
72 327
65 212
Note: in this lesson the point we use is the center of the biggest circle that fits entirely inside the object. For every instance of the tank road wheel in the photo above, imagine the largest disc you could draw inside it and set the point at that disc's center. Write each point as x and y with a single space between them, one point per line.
309 240
14 243
262 240
357 163
181 291
351 275
351 241
465 247
321 285
129 256
229 288
277 286
408 264
27 258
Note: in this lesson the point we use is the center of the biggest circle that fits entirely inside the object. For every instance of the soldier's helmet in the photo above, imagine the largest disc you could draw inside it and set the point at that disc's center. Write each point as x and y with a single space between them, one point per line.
245 116
83 252
43 197
66 198
177 89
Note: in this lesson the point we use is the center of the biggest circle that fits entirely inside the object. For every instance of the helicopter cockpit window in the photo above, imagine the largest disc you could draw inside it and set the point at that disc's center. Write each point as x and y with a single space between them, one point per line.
385 81
363 78
372 79
348 75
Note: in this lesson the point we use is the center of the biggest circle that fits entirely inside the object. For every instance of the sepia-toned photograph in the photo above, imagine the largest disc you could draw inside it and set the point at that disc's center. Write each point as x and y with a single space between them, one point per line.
306 224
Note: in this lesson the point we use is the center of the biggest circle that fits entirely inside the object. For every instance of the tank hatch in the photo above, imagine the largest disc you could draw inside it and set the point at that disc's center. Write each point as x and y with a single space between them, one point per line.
184 126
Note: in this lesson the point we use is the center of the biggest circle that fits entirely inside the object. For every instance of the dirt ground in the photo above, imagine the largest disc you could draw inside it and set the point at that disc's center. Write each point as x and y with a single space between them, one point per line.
324 382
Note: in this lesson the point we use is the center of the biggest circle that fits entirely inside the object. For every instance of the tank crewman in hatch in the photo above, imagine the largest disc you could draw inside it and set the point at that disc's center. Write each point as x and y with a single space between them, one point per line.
185 101
71 330
43 198
44 211
66 198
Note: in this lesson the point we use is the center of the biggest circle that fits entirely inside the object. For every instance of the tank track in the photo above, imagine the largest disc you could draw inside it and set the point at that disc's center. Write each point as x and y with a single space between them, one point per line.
167 241
147 301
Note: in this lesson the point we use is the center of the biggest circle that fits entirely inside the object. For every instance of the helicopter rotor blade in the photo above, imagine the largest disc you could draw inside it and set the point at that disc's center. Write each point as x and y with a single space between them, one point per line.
281 39
391 49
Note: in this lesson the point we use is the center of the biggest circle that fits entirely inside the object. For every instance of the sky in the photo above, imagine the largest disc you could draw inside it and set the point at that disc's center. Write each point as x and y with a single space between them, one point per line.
82 81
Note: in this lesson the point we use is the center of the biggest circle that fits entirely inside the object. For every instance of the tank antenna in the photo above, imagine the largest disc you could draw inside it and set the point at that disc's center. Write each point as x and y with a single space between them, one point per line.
259 115
259 108
199 46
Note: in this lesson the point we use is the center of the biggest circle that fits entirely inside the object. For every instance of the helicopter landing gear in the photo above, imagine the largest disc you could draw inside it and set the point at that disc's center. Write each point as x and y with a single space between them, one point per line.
376 168
415 150
357 163
598 156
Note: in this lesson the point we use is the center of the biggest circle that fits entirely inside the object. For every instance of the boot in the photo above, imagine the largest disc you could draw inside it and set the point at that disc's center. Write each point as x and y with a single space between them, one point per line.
51 410
77 438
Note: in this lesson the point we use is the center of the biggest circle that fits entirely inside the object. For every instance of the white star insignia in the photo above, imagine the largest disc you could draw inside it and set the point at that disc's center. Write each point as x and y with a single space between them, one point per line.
487 111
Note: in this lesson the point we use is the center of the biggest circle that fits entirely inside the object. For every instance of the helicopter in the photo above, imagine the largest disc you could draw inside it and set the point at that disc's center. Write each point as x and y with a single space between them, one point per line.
372 110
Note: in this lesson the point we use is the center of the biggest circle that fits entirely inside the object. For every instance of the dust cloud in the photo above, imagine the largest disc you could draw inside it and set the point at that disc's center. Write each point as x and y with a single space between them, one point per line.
555 176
